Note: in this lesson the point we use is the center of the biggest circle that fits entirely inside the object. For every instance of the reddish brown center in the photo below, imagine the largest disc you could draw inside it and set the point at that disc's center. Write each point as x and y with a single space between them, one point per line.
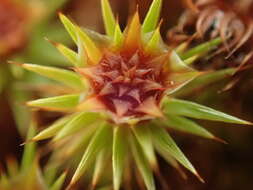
124 82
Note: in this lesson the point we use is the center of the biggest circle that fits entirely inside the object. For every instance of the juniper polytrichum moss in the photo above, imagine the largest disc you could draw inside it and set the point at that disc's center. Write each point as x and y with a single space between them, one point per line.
120 101
28 175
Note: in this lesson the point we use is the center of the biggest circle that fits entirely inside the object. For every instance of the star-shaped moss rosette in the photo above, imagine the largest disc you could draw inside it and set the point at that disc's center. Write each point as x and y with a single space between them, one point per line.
27 175
122 101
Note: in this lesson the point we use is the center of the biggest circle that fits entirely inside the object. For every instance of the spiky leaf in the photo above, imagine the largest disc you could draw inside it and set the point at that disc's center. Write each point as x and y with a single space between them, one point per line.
66 77
180 80
133 37
82 59
101 136
70 27
80 121
204 81
118 155
53 129
194 110
100 166
164 143
59 182
176 64
173 162
29 151
77 33
71 55
118 36
202 48
109 19
99 39
142 163
185 125
91 48
154 42
152 17
143 136
65 102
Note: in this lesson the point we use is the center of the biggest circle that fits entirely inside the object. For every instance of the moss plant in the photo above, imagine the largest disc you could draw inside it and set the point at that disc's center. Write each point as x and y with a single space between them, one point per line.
27 175
122 100
227 21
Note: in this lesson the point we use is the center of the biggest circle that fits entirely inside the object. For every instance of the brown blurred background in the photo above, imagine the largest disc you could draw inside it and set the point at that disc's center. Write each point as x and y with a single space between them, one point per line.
224 167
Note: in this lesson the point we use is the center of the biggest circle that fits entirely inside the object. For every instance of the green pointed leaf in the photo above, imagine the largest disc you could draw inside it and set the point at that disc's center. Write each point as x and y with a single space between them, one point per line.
118 155
33 178
82 58
53 129
179 80
142 164
71 55
181 47
164 143
59 182
152 17
64 103
180 75
99 140
29 150
173 162
50 173
75 32
202 48
80 121
176 64
118 36
203 81
100 39
70 27
154 42
100 166
79 140
187 126
109 19
197 111
191 60
66 77
91 48
143 136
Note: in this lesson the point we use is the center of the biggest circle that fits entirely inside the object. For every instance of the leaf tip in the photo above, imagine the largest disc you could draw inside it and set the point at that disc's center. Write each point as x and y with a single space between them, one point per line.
200 178
248 123
220 140
61 15
51 42
15 63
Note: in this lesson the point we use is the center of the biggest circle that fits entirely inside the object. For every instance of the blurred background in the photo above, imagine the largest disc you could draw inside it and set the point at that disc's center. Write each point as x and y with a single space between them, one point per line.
24 24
